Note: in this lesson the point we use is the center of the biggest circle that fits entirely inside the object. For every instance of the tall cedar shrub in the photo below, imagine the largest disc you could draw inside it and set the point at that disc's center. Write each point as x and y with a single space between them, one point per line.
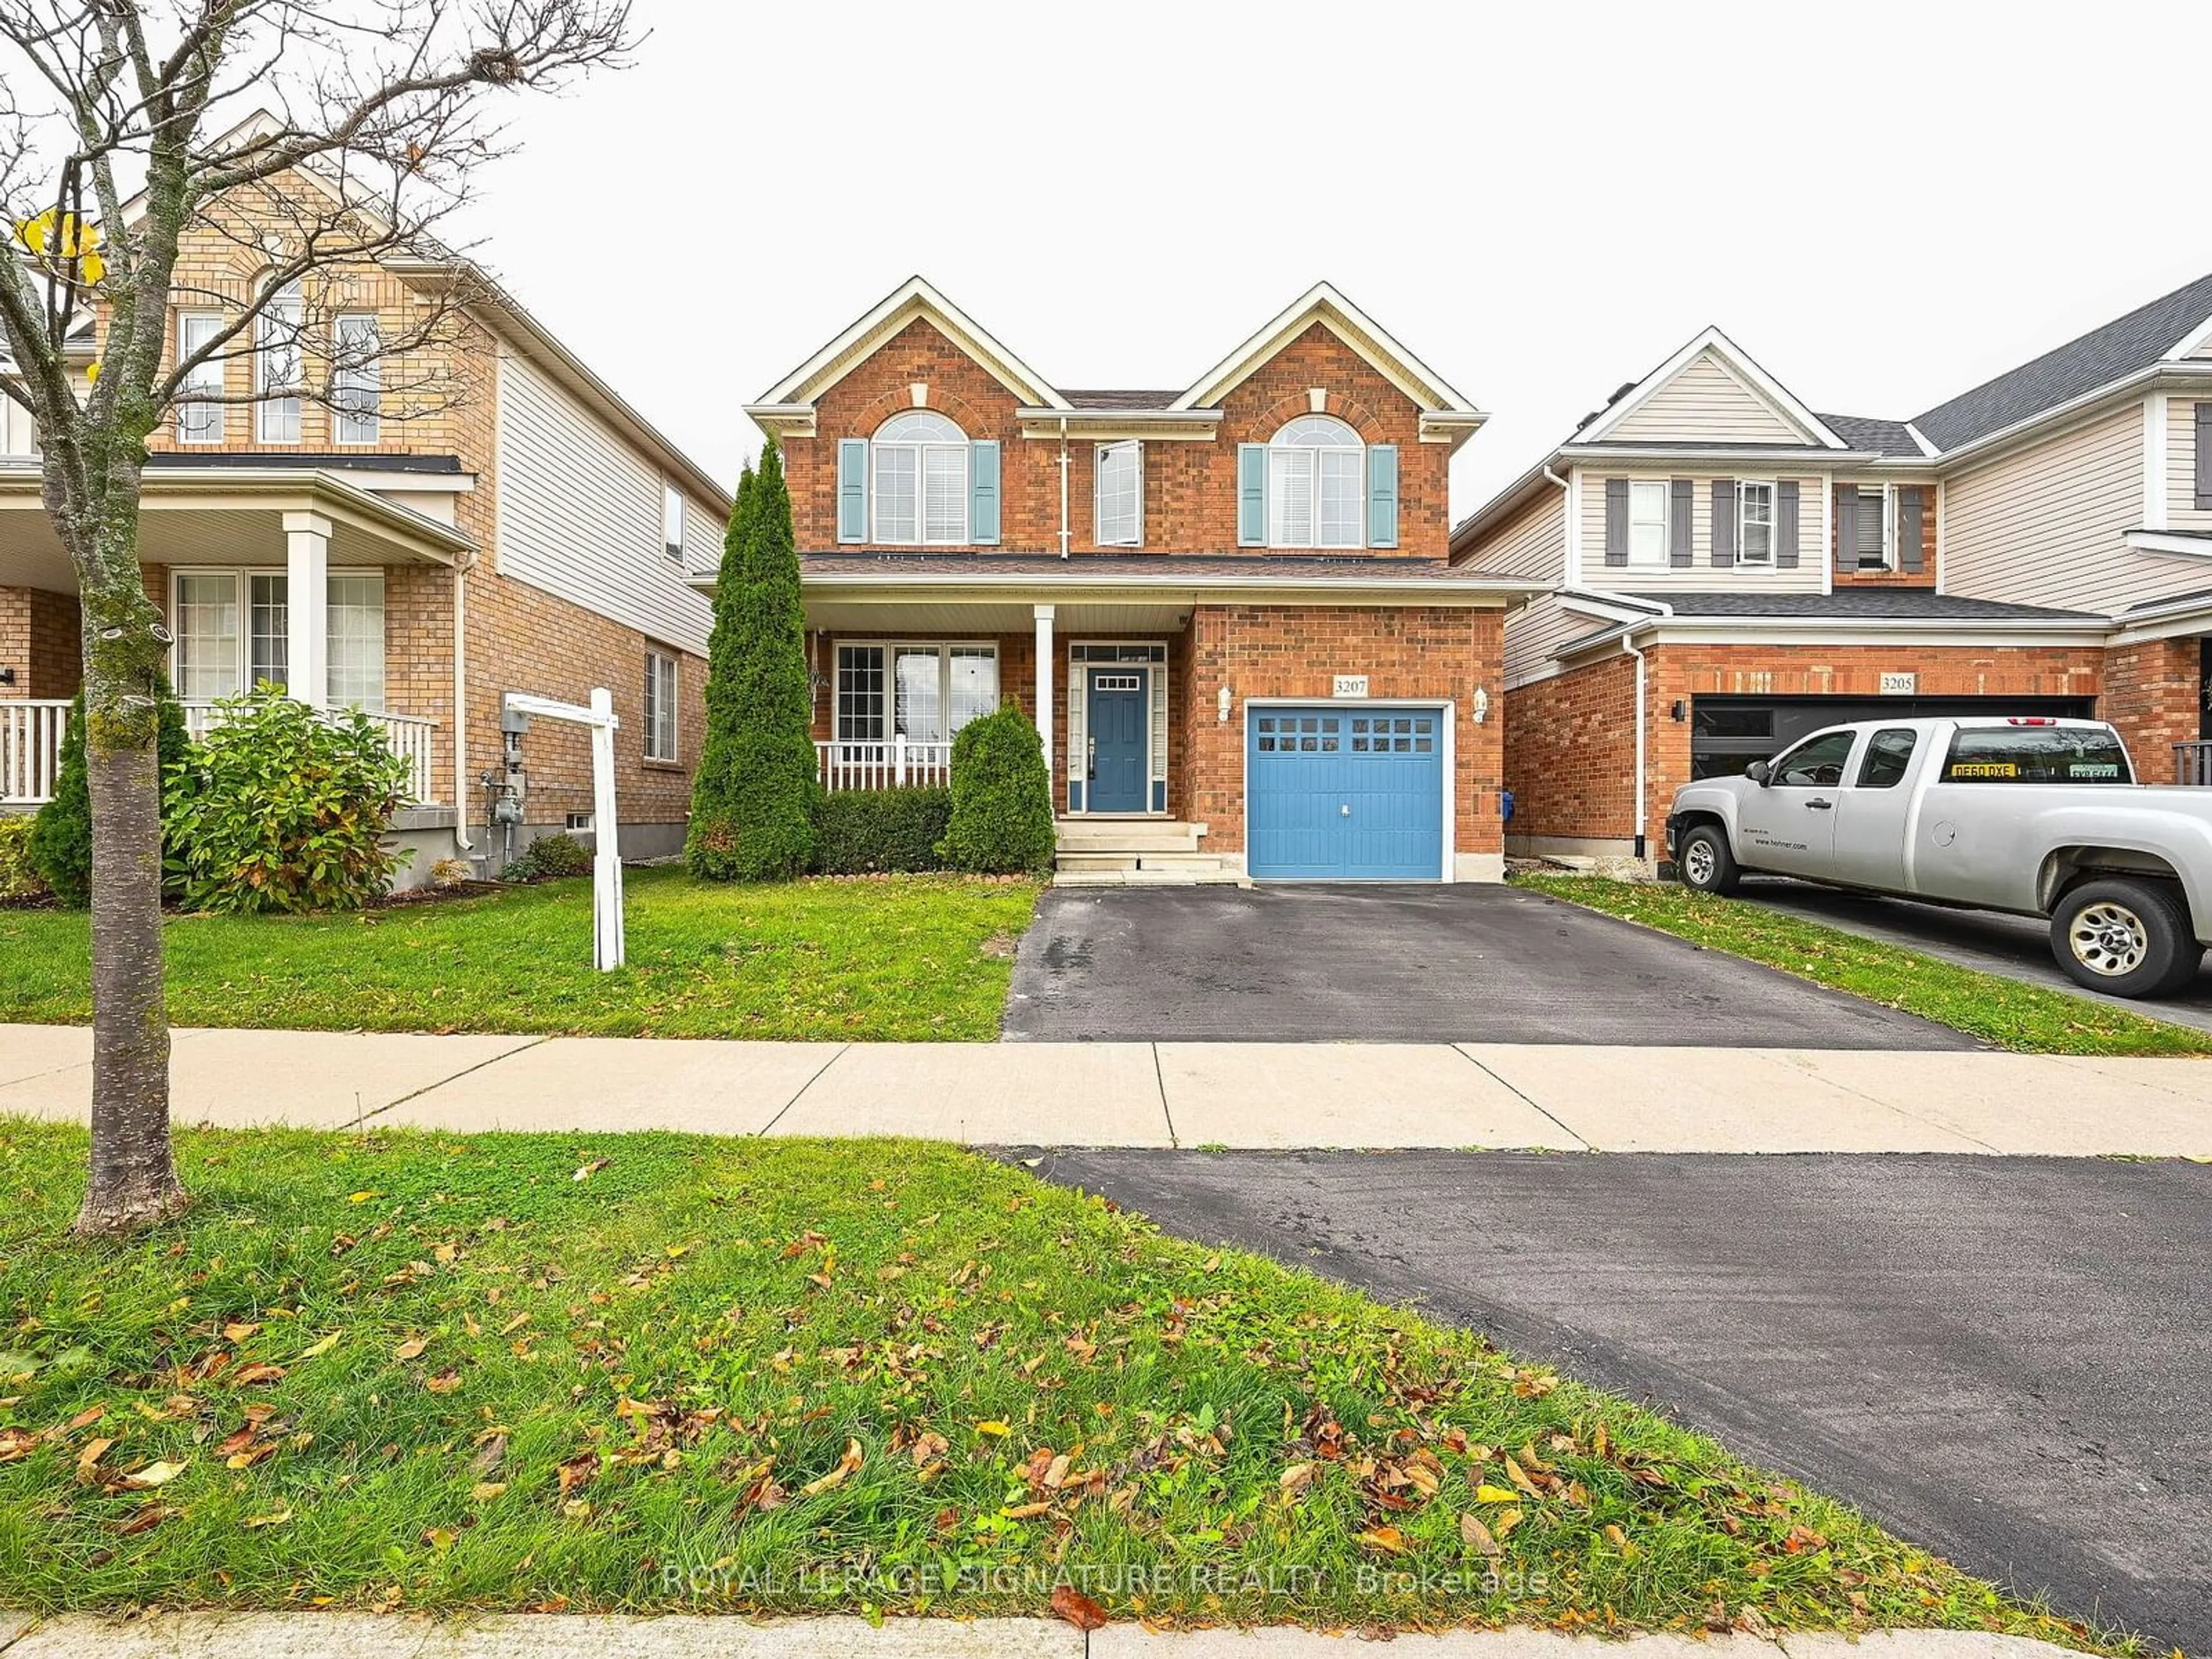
283 807
61 834
753 801
1002 821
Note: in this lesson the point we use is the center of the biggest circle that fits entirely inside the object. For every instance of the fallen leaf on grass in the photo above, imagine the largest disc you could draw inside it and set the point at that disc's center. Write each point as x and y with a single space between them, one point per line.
1478 1537
1079 1609
252 1376
238 1330
993 1427
146 1519
1503 1522
444 1382
1620 1541
274 1518
411 1348
322 1347
846 1465
1486 1494
154 1475
586 1171
580 1470
484 1491
1384 1538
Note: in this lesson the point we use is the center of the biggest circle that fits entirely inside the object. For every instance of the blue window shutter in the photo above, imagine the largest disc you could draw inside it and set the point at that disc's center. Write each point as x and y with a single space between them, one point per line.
983 490
852 489
1381 495
1251 494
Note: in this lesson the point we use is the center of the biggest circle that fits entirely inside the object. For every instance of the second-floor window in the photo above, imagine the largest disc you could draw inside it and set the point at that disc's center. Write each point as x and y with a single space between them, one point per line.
920 464
1316 484
276 368
1647 522
1754 523
199 411
1120 495
1874 527
358 388
672 521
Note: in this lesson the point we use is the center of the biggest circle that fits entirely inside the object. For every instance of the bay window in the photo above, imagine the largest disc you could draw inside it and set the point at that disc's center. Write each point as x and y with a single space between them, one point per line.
1316 484
919 463
924 693
231 628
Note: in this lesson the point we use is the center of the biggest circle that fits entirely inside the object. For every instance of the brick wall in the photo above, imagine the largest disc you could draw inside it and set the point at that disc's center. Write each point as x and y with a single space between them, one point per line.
39 639
2152 695
1570 752
1190 486
1924 577
1294 651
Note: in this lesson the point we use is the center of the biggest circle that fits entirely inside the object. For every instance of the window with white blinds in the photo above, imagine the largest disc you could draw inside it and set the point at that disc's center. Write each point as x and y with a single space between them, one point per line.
1120 495
1316 484
920 465
1754 512
1874 530
354 637
233 632
1647 522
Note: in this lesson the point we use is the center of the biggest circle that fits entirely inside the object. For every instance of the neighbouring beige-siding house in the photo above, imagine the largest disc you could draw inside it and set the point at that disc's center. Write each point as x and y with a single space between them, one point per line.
416 557
1729 570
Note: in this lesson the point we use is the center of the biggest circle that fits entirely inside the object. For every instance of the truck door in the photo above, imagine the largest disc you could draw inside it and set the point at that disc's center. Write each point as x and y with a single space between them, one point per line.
1790 826
1871 812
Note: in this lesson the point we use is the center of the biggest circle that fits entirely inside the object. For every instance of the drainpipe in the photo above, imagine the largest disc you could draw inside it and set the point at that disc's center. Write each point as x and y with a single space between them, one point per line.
1639 655
1554 477
461 710
1063 486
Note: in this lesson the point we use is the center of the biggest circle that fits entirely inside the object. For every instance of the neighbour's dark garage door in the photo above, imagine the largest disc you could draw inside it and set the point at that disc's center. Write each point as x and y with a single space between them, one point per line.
1728 733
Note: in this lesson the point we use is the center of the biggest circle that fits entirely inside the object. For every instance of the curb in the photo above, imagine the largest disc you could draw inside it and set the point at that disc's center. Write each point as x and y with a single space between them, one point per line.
563 1636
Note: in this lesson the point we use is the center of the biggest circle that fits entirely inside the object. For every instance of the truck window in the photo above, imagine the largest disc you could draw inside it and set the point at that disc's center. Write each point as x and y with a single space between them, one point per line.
1817 763
2035 754
1889 753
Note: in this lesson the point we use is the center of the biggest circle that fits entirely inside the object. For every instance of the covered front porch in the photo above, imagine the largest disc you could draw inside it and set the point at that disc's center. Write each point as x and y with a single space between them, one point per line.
306 580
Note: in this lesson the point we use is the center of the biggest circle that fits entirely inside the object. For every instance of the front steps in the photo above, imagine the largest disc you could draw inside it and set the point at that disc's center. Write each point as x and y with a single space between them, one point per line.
1138 853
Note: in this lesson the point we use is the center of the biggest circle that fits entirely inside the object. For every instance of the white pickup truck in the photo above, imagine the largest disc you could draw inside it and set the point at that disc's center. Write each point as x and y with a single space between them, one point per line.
2036 816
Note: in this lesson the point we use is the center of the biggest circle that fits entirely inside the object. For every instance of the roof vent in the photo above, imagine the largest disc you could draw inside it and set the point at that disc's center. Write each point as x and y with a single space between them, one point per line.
1621 391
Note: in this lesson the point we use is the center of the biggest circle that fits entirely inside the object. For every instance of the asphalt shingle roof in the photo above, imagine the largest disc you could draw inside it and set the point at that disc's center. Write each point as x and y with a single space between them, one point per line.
1112 399
2097 359
1893 604
1865 432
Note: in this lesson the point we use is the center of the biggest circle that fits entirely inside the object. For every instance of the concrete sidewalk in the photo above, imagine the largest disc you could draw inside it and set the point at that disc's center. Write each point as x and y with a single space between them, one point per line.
1545 1097
565 1636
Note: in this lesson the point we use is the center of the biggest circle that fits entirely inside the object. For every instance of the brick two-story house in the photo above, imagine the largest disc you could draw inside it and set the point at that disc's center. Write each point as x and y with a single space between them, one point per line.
524 529
1731 570
1228 606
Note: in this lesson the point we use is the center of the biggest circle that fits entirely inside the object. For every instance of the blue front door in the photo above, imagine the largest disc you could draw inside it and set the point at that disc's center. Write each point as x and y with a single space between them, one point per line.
1118 768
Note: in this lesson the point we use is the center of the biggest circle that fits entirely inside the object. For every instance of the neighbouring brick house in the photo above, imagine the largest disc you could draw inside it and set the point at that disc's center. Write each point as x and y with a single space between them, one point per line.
1227 606
523 529
1729 571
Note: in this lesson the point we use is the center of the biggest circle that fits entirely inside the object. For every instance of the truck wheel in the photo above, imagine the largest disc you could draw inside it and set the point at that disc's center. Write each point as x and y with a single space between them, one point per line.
1706 864
2128 938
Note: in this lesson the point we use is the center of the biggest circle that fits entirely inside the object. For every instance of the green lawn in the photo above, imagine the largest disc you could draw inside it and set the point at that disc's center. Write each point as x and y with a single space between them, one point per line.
900 959
654 1371
2029 1019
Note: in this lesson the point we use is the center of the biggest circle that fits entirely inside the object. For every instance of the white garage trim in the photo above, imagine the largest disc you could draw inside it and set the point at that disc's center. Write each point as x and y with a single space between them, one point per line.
1449 790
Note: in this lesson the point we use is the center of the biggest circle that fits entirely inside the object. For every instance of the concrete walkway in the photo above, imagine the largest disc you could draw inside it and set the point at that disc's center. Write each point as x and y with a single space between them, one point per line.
1167 1094
558 1636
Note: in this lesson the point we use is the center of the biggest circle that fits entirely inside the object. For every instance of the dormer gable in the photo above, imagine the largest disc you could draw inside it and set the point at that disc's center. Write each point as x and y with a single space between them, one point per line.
1710 393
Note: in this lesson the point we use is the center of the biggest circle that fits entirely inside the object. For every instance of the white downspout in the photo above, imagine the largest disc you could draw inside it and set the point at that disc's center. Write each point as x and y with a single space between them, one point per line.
460 711
1063 486
1639 655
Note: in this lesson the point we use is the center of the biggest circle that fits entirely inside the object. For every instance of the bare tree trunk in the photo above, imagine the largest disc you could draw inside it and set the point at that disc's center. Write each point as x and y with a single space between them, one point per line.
134 1173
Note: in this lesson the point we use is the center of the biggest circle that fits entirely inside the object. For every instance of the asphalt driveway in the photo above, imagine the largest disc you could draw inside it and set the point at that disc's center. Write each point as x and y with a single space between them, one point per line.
2006 1360
2016 947
1460 963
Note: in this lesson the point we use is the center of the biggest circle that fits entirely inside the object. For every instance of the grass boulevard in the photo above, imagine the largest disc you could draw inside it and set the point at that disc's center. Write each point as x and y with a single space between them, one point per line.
656 1372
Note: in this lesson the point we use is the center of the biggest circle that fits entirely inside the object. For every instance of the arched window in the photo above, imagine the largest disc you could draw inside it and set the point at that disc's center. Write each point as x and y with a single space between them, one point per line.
920 461
1316 483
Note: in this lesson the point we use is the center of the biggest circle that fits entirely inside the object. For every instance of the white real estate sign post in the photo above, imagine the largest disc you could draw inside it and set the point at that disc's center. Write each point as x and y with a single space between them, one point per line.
606 860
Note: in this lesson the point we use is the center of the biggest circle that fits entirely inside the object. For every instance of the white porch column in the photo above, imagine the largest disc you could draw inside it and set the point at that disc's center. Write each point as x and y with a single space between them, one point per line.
307 602
1044 614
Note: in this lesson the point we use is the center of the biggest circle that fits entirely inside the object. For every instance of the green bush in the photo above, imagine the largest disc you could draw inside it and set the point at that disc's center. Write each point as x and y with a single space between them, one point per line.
1001 820
560 855
861 832
282 808
19 877
753 795
61 839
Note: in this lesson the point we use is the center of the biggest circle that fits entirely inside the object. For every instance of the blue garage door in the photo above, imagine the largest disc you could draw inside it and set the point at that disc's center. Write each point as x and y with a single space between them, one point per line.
1341 793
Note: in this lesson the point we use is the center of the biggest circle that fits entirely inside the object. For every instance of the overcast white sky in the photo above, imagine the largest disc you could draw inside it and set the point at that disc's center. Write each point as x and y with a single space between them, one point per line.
1883 204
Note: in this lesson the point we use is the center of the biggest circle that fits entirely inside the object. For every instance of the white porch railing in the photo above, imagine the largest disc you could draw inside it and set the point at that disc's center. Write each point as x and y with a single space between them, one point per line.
892 765
31 745
30 748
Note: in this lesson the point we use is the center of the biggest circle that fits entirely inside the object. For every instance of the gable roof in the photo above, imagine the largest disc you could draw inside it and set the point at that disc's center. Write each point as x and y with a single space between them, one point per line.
1878 436
2123 347
913 298
1323 304
1733 357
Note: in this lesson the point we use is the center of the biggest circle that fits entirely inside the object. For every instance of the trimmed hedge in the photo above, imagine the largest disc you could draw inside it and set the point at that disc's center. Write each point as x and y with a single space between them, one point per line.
863 832
1001 822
